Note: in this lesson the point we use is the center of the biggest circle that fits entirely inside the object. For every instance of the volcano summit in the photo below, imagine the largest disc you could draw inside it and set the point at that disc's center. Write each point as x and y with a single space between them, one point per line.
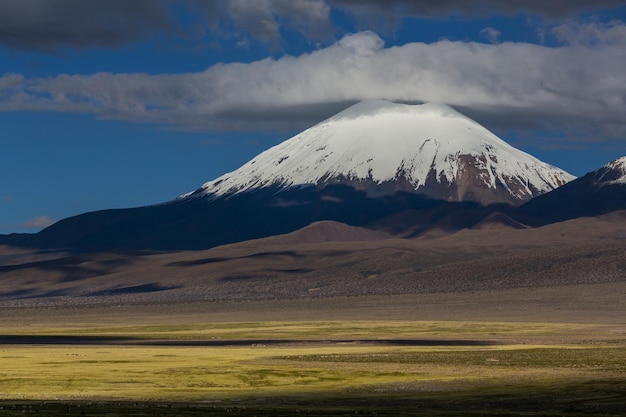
382 147
373 160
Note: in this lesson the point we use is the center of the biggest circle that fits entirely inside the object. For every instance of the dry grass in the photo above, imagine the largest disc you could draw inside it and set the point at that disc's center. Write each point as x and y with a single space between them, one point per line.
292 359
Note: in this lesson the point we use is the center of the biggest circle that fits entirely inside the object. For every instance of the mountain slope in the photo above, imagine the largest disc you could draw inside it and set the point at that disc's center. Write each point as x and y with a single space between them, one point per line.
382 147
371 162
598 192
300 265
200 224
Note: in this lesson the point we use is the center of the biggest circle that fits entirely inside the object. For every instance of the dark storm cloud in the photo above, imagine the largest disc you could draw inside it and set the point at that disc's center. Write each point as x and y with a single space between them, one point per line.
51 25
48 25
429 8
263 19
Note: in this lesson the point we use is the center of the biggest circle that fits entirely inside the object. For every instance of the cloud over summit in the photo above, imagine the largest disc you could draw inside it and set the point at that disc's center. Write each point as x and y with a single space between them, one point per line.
577 84
505 85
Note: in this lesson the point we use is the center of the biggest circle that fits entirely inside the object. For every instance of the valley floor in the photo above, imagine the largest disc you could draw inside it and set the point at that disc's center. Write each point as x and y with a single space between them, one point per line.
481 322
583 303
549 351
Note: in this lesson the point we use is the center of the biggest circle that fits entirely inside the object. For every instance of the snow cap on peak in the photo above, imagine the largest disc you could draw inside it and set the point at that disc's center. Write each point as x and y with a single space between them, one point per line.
613 173
618 163
383 147
368 108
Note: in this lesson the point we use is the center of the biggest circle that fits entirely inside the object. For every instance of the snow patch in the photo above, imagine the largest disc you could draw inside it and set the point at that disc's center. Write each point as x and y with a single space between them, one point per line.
614 172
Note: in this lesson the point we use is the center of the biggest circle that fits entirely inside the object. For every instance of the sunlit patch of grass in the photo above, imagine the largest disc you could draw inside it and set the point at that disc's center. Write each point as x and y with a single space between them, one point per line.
149 372
557 367
316 329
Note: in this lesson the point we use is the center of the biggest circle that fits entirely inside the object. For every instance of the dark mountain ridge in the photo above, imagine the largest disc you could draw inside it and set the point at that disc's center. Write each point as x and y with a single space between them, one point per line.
200 224
599 192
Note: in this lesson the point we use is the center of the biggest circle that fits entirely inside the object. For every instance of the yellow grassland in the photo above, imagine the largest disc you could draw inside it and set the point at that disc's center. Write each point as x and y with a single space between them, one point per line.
301 358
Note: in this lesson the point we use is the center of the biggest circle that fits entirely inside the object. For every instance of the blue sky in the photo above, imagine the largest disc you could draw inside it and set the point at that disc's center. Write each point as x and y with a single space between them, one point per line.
122 103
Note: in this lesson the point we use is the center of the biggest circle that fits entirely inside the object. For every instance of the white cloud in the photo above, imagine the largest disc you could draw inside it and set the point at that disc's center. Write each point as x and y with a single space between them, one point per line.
493 35
508 85
591 33
37 222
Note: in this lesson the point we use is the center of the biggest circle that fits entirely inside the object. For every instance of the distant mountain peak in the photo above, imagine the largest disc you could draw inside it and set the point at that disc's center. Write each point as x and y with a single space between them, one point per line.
595 193
383 147
612 173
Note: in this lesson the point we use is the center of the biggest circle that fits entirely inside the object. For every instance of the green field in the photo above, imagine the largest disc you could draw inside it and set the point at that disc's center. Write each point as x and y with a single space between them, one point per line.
315 368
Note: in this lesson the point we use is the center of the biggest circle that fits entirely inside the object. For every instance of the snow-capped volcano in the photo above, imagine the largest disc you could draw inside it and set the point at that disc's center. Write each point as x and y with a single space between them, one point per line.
382 147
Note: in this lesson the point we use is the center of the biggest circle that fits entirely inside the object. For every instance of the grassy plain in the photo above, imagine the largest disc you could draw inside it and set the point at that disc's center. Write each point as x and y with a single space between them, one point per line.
315 367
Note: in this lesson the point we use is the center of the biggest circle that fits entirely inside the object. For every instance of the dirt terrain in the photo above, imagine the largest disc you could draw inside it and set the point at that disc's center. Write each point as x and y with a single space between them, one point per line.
574 270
